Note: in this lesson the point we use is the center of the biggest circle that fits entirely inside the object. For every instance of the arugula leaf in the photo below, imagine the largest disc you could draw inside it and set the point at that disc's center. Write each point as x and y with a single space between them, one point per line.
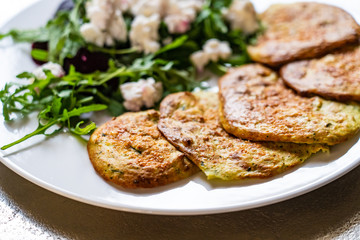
36 35
39 54
218 4
175 44
83 131
111 51
65 116
116 108
78 111
56 107
25 75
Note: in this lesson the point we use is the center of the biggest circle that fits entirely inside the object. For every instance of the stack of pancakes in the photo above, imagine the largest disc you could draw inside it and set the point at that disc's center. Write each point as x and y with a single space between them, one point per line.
260 123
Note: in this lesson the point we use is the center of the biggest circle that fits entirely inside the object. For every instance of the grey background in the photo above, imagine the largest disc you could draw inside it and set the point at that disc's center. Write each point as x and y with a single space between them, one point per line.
30 212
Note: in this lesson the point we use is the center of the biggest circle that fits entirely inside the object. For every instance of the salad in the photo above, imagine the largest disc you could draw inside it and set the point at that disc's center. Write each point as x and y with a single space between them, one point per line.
123 55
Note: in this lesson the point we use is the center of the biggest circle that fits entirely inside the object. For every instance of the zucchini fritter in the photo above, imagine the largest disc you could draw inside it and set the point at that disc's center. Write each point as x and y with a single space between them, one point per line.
130 151
190 122
334 76
256 105
302 30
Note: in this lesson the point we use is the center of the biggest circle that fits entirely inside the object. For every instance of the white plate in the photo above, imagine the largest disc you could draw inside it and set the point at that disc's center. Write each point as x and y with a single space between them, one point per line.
60 164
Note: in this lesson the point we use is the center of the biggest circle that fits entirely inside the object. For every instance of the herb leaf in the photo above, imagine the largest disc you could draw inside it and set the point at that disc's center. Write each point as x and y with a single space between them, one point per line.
41 129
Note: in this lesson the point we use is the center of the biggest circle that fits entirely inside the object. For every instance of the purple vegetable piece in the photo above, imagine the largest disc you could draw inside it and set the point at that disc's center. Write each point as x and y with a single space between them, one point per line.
87 62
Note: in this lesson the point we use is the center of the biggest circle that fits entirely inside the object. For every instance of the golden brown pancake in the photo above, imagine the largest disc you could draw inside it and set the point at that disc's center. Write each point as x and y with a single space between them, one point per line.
256 105
334 76
191 123
130 151
302 30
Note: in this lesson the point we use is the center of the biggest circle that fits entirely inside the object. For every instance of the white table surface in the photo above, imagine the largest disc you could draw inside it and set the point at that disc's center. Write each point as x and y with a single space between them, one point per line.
30 212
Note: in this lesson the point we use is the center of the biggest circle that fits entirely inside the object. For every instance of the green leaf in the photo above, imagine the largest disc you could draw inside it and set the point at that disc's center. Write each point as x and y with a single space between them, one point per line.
219 23
219 4
4 35
84 100
85 130
175 44
203 15
217 68
81 110
37 35
39 54
65 93
238 59
112 51
168 66
116 108
6 111
56 106
25 75
208 29
44 113
41 129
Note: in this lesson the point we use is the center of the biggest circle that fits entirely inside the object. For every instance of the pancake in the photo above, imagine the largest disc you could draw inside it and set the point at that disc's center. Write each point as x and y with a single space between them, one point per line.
191 123
130 151
302 30
334 76
256 105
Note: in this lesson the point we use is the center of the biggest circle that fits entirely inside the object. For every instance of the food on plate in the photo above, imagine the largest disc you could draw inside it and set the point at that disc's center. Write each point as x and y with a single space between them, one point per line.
213 50
54 68
242 16
190 122
125 55
130 151
302 30
335 76
256 105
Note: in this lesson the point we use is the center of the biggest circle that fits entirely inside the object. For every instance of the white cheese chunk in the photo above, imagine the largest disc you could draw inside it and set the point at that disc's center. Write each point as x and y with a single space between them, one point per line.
216 49
92 34
180 14
242 16
213 50
145 92
106 23
200 59
148 8
54 68
144 33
